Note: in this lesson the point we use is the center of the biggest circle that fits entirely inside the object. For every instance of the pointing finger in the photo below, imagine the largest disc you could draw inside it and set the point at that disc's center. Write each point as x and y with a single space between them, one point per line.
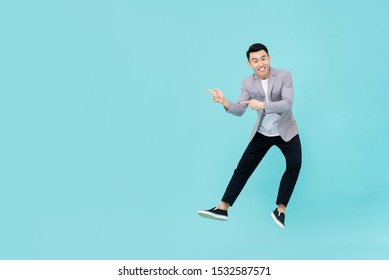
211 91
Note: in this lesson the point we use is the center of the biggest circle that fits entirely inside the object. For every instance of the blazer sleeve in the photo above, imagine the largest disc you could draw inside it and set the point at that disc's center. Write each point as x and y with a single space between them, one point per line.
236 108
287 94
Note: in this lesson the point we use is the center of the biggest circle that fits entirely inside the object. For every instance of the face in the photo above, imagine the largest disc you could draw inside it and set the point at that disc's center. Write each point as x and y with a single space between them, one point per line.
259 62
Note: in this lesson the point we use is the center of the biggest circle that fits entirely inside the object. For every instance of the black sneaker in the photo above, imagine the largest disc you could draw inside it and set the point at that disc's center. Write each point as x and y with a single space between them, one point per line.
279 218
214 213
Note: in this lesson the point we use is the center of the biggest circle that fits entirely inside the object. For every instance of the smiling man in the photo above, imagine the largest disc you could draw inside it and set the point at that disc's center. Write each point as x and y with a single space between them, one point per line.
269 91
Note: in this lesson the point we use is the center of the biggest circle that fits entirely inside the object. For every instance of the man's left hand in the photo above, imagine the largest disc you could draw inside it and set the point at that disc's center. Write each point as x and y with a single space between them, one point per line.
254 104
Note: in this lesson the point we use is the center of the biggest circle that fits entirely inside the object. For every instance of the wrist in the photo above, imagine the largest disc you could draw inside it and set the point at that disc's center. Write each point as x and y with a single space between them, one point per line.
225 103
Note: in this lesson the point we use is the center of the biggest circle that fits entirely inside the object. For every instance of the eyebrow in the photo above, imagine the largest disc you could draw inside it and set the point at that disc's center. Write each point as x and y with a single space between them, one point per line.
258 58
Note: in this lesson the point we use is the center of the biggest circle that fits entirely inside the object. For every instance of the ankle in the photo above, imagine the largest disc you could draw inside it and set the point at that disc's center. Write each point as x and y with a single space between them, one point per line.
223 206
281 208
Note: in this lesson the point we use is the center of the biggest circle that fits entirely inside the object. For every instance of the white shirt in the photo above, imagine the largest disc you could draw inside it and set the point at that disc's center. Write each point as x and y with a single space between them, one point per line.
269 125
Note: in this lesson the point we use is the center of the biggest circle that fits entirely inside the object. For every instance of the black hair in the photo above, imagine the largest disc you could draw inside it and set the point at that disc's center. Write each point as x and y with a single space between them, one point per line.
256 48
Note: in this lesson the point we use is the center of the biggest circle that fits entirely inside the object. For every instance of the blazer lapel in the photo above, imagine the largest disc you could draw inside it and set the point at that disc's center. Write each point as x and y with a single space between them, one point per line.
259 87
272 78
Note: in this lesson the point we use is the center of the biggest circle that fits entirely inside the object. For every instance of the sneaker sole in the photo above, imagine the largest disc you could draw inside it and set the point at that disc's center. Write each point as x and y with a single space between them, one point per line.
276 220
208 215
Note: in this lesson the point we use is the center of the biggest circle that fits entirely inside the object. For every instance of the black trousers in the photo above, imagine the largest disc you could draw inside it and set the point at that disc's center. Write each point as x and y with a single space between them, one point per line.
252 156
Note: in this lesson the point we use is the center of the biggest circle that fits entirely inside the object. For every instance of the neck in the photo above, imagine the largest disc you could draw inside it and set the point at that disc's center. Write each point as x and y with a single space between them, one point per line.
263 77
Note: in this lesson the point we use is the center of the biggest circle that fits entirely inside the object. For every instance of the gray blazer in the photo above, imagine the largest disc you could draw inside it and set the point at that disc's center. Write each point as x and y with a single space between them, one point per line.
280 88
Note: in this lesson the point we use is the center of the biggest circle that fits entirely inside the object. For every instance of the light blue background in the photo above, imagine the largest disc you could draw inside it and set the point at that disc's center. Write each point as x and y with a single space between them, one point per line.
109 145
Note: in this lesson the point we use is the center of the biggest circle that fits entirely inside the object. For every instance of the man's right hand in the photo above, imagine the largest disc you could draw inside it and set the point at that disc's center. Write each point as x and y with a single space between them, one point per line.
218 97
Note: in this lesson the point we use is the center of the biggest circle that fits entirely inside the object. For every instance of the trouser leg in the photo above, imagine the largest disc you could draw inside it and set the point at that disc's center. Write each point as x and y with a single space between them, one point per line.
251 157
292 153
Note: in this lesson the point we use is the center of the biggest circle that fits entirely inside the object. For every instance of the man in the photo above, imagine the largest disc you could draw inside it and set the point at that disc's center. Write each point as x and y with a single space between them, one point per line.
269 91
